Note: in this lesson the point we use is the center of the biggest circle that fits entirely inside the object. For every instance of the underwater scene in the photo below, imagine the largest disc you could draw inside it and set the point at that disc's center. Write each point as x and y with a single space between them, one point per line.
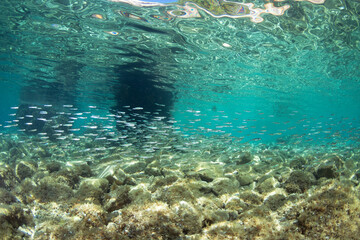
165 119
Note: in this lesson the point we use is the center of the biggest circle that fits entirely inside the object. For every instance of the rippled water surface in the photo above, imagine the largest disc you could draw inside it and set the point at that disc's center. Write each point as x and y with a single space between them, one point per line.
291 73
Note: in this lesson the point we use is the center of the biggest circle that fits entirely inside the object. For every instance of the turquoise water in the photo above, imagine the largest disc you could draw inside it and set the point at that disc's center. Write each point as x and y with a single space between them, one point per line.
291 77
207 119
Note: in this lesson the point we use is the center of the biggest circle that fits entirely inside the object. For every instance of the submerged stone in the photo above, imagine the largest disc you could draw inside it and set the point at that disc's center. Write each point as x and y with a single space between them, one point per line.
161 182
114 174
299 182
6 197
134 167
244 158
25 169
117 198
235 203
244 179
327 171
150 221
189 217
275 201
92 189
48 190
209 171
139 194
8 180
267 185
174 193
225 185
53 166
298 163
11 218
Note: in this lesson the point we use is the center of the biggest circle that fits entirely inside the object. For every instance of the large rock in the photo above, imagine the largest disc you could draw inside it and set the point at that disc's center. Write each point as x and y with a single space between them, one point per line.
299 182
25 169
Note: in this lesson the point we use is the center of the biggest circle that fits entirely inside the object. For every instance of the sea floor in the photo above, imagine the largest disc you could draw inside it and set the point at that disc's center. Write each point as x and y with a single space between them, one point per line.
87 190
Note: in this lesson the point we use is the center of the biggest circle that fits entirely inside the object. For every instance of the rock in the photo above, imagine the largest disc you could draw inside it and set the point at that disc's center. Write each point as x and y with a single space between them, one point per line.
267 185
92 190
82 170
114 174
298 163
224 185
8 180
48 190
153 171
150 221
134 167
218 215
251 198
53 166
244 179
11 218
209 171
189 218
299 182
25 169
117 198
244 158
174 193
6 197
139 194
275 201
162 181
327 171
67 176
91 214
235 203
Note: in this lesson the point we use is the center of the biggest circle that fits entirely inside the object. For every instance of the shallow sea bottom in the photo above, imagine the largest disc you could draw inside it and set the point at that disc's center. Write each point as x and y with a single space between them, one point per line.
48 191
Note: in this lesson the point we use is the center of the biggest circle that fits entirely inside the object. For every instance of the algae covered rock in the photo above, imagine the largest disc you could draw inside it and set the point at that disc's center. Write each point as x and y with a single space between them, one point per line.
114 174
11 218
299 182
175 193
49 190
117 198
8 179
267 185
209 171
235 203
53 166
298 163
25 169
92 189
275 201
244 158
244 179
6 197
162 181
225 185
139 194
332 212
150 221
134 167
327 171
92 215
189 217
251 198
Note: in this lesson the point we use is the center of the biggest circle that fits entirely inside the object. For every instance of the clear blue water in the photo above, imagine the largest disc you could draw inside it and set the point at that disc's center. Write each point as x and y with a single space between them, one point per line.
292 78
